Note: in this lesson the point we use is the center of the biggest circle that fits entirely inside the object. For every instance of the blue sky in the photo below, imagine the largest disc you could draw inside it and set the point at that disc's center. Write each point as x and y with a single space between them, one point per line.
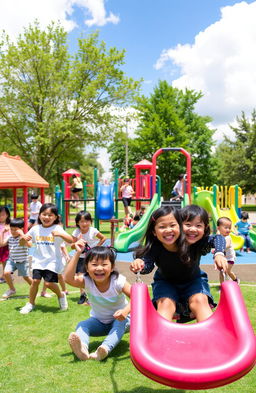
206 45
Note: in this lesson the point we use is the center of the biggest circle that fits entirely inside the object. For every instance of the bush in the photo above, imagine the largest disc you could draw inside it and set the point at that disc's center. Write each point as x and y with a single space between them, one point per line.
248 208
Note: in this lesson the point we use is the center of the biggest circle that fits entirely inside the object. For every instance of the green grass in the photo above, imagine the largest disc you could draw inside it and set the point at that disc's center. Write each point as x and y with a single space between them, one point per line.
35 356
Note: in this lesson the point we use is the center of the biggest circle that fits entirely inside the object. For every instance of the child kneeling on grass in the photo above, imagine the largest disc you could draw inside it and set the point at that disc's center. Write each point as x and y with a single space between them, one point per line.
106 290
18 256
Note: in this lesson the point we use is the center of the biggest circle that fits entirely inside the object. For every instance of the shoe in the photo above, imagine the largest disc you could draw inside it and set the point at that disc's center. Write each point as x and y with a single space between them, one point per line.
237 280
83 299
100 354
45 294
2 281
63 302
27 308
79 349
9 293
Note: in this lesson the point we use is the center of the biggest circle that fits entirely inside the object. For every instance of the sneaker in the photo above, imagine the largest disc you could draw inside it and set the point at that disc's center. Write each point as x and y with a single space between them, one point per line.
2 280
83 298
27 308
79 349
45 294
9 293
63 302
100 354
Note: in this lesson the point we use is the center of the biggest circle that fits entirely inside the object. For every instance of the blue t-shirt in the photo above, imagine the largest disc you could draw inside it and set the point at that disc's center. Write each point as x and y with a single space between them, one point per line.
243 227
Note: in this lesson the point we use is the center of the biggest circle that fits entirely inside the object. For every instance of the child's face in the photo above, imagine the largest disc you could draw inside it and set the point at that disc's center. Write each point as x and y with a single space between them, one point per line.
225 228
3 217
84 224
194 230
167 231
99 270
14 231
47 218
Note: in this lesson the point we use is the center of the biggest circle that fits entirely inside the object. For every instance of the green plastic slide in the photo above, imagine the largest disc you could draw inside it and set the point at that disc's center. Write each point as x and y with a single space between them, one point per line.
125 239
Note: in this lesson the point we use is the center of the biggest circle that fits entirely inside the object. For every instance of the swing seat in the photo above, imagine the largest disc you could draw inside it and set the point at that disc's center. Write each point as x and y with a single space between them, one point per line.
203 355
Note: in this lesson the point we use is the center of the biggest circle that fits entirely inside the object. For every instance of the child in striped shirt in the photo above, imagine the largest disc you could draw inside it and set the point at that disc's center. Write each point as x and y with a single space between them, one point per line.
18 256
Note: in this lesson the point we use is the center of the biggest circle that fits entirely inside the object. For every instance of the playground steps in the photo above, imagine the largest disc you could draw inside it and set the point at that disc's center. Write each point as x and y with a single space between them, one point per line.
175 203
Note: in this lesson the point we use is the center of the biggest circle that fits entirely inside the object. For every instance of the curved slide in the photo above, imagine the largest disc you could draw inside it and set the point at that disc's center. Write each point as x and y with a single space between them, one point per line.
204 199
124 239
105 201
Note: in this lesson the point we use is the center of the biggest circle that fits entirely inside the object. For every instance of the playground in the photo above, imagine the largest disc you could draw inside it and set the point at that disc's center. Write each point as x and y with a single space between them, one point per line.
230 368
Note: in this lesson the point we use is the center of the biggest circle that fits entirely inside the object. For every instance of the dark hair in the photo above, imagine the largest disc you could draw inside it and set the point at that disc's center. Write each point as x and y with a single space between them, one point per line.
103 253
17 222
189 213
7 211
74 176
244 216
87 216
221 220
180 176
53 208
136 217
34 196
126 180
149 237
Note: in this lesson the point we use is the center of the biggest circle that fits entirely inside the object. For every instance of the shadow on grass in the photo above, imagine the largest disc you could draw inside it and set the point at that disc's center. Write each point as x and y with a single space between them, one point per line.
43 309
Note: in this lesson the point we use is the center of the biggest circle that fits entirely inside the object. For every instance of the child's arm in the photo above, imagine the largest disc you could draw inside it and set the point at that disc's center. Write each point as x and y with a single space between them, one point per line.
65 253
25 240
121 314
70 274
143 266
101 237
3 241
64 235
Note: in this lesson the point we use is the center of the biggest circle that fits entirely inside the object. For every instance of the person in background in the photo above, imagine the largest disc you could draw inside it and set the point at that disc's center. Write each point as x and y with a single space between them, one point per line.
127 193
34 208
243 227
177 192
76 188
142 211
4 227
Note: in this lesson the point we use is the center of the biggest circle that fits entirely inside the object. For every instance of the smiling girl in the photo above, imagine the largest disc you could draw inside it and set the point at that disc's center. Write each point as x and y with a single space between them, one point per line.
106 290
176 251
48 238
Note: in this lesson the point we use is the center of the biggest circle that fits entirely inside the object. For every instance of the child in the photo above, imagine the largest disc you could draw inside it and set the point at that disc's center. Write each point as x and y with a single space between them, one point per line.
177 192
135 221
34 207
18 256
175 248
243 227
48 237
91 236
106 291
142 211
4 225
224 226
127 193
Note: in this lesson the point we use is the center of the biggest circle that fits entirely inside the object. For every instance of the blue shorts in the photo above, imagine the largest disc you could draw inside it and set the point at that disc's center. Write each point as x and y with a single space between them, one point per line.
180 293
22 267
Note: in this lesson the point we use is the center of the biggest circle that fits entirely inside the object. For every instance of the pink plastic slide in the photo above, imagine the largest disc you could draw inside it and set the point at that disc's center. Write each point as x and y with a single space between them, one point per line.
202 355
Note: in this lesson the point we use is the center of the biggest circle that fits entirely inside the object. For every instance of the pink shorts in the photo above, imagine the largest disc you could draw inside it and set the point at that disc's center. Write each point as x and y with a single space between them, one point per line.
4 254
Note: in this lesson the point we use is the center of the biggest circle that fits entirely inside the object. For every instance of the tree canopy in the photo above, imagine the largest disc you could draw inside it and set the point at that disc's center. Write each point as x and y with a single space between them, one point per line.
53 104
168 119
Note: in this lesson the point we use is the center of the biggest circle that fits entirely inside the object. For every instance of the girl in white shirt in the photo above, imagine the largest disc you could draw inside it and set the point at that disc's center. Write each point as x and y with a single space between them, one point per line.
106 291
48 237
92 238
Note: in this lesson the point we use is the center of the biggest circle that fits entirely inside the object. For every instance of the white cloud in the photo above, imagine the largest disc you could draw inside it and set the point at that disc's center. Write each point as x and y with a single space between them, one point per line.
17 14
221 63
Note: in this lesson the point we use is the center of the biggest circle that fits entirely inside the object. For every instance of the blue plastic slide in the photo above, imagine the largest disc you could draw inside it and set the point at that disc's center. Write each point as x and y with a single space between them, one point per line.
105 201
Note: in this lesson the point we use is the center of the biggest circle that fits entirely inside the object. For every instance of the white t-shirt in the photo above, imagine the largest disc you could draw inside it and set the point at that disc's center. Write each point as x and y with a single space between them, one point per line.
47 253
229 251
89 237
34 209
127 192
105 304
178 187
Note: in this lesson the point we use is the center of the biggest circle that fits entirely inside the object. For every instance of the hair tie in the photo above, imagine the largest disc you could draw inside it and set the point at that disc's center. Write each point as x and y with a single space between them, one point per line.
153 218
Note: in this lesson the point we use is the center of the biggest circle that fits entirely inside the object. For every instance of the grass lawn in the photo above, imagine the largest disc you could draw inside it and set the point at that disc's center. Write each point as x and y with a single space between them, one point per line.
35 356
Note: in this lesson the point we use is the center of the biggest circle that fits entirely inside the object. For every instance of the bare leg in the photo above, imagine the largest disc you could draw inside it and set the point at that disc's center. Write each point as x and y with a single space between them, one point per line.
33 291
166 308
230 273
53 286
8 279
28 279
199 306
62 282
3 265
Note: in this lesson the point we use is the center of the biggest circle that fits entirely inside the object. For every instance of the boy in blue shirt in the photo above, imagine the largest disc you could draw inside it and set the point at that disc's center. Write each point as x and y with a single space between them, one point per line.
243 227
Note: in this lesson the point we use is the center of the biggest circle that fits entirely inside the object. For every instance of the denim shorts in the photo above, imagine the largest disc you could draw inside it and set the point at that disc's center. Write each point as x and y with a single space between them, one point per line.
22 267
180 293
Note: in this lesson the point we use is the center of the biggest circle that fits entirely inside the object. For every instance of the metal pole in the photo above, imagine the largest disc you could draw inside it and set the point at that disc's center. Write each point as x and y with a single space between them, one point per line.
126 148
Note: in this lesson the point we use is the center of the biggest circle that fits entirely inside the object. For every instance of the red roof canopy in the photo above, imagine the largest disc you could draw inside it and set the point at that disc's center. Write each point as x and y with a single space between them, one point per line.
14 172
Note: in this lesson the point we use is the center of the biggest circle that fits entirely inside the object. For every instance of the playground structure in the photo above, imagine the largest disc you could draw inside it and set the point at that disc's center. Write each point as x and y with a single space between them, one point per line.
203 355
16 174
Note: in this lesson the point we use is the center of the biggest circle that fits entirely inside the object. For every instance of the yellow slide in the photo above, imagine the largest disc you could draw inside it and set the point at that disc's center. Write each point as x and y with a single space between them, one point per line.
205 200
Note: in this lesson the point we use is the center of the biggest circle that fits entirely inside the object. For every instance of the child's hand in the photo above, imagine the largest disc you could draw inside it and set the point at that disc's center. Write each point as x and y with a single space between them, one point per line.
220 263
120 315
80 245
20 232
137 265
6 228
56 233
27 237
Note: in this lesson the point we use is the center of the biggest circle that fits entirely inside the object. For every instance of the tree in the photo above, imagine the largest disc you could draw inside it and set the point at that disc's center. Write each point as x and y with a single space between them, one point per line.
236 158
168 119
52 104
